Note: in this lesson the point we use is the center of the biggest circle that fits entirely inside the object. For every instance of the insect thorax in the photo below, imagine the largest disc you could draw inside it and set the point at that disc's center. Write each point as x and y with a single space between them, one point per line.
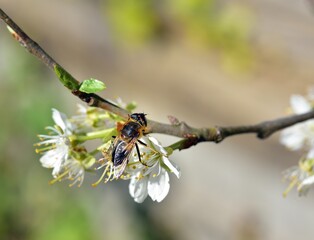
131 130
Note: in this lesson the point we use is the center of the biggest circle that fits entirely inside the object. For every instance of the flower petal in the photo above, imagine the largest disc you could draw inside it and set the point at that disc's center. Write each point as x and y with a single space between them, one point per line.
310 154
138 189
158 186
49 159
60 119
293 137
172 166
308 181
157 145
299 104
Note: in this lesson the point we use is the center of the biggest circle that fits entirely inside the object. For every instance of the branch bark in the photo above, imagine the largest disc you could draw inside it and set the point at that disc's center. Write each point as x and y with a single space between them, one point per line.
66 78
190 135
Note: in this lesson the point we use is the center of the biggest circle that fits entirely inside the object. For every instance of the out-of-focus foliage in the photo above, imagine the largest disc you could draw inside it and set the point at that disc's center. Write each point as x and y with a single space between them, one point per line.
28 208
206 24
133 21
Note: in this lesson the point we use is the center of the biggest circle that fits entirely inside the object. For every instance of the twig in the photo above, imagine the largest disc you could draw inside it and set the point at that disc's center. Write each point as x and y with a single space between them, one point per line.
65 77
191 136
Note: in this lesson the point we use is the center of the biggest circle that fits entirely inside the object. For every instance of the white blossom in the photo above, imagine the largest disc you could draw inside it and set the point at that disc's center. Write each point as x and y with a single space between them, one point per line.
64 151
300 135
55 148
91 119
297 137
73 170
151 179
301 176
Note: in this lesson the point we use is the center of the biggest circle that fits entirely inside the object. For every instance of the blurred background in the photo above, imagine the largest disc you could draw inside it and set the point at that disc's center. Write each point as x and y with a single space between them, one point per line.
207 62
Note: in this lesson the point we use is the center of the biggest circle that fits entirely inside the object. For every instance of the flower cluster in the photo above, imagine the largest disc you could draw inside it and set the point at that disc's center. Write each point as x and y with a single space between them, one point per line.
67 160
63 150
300 137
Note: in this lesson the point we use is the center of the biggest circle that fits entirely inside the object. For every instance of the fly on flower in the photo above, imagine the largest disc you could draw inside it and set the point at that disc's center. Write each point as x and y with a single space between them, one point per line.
117 157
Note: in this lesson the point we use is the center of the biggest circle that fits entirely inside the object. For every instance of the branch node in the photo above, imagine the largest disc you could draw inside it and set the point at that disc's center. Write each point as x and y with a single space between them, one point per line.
266 129
85 97
189 141
217 135
264 133
185 128
173 120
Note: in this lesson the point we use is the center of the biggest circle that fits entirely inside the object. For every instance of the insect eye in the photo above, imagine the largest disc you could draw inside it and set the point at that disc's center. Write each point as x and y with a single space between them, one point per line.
140 118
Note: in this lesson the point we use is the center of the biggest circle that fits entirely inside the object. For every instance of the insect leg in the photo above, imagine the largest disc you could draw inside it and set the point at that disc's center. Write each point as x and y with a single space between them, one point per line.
142 142
139 154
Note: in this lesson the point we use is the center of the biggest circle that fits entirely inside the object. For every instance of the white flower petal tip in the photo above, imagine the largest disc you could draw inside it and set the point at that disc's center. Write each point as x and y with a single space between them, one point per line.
172 166
300 104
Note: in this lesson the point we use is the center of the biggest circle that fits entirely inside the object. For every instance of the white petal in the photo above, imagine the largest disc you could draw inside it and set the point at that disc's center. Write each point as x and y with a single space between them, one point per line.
293 137
138 189
48 160
310 154
299 104
55 159
52 161
172 166
60 119
154 168
308 181
57 168
81 109
158 186
157 145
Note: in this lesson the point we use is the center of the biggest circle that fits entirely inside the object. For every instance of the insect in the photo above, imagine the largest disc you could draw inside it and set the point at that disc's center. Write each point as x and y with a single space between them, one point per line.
125 142
117 156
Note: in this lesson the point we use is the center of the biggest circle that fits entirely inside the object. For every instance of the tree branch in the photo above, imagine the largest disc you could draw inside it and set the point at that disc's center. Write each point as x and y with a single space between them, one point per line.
65 77
191 136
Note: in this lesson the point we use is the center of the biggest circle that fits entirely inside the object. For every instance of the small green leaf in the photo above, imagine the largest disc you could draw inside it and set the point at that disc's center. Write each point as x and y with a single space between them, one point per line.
66 79
131 106
92 85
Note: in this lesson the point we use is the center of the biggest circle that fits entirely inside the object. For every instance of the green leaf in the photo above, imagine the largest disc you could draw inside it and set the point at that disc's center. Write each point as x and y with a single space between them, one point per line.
92 85
66 79
131 106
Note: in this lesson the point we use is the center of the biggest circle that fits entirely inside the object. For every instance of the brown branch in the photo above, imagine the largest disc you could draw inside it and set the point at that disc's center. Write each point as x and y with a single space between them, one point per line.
191 136
70 82
217 134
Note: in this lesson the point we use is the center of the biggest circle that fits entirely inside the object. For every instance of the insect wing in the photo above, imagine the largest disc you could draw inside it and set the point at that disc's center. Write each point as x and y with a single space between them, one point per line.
120 154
